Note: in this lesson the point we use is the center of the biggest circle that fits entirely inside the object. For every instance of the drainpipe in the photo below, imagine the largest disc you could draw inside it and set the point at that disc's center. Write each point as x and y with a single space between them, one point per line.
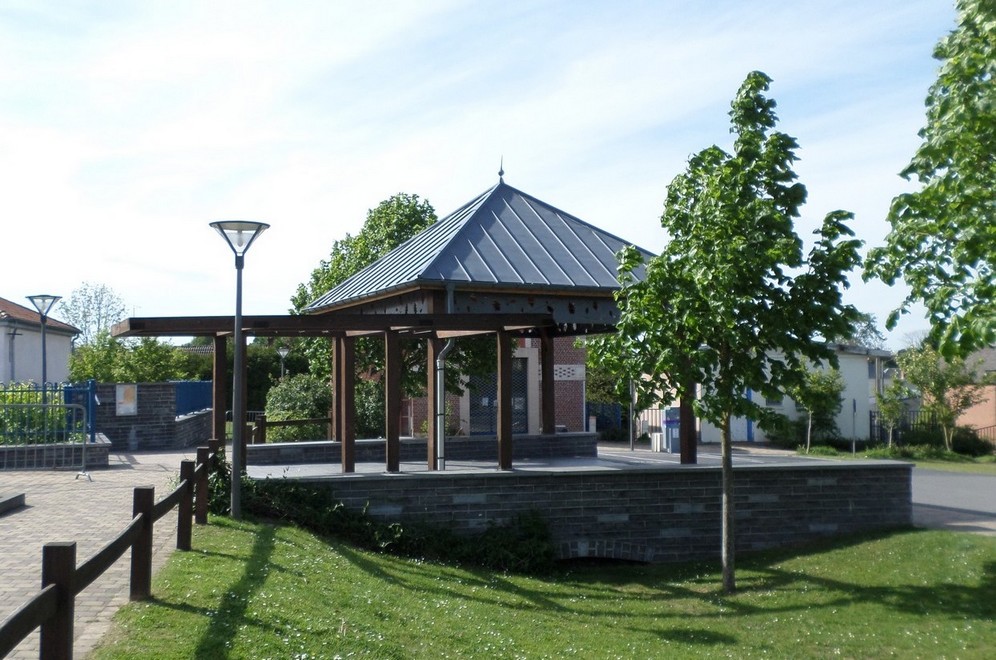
441 389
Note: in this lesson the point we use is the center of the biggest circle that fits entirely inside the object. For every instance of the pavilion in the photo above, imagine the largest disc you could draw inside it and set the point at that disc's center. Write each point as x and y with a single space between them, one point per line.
504 264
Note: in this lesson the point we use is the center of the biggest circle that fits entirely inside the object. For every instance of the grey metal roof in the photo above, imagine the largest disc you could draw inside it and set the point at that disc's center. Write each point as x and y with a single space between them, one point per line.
503 238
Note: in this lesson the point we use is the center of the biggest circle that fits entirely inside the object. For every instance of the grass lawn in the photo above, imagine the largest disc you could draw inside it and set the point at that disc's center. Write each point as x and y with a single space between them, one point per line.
251 590
949 463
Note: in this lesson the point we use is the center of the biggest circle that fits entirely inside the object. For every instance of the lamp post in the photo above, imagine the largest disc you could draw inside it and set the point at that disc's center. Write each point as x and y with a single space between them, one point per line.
43 303
282 352
239 234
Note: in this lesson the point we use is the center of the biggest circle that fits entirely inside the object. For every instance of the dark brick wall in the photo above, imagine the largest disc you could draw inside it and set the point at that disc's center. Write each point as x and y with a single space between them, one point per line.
155 426
64 456
654 515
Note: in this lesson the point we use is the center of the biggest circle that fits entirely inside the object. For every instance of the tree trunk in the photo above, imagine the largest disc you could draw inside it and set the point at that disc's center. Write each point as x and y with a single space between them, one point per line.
809 431
729 579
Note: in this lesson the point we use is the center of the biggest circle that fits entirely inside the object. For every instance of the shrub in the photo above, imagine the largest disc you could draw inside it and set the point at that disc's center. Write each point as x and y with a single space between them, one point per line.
614 435
301 396
966 441
523 544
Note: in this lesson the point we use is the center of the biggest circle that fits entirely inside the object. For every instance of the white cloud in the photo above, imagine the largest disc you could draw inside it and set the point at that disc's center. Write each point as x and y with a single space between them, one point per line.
126 128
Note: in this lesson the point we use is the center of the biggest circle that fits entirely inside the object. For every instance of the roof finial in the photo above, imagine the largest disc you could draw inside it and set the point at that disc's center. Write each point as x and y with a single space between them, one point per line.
501 169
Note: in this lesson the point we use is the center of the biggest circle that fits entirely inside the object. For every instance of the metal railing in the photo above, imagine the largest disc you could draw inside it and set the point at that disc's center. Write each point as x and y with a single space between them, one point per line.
43 435
53 607
45 424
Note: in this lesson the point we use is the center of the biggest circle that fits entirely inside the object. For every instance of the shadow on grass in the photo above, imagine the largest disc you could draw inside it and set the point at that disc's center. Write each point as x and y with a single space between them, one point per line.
826 586
216 640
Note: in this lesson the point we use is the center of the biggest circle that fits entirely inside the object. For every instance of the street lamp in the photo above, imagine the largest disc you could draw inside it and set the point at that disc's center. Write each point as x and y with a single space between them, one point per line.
43 303
282 352
239 234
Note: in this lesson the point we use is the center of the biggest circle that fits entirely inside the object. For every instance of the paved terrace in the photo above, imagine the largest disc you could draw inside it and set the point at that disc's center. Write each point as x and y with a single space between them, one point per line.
60 507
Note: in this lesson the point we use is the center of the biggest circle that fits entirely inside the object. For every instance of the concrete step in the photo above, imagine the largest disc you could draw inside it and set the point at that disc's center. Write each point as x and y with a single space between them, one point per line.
9 502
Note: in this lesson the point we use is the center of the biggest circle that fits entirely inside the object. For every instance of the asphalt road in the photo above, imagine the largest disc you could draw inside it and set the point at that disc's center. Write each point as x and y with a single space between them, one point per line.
954 500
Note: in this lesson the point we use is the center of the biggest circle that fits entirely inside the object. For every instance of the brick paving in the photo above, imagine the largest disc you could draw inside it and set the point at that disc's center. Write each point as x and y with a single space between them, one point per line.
61 507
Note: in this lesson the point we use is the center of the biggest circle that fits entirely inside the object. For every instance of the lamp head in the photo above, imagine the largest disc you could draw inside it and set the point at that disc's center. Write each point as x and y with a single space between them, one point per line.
239 234
43 302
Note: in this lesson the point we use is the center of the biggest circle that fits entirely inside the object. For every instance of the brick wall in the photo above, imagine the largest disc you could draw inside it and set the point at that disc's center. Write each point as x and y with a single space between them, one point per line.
155 425
653 515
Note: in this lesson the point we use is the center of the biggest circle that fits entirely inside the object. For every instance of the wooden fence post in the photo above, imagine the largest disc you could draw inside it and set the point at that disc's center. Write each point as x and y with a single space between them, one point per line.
201 497
260 429
213 445
59 568
141 551
185 508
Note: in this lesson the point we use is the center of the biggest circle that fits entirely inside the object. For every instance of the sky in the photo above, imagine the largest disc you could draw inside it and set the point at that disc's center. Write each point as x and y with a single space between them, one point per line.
126 127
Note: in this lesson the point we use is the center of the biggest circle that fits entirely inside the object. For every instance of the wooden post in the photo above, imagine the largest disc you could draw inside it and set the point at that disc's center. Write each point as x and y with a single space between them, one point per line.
260 438
59 568
346 370
548 406
392 400
504 396
141 551
185 509
433 348
201 496
219 397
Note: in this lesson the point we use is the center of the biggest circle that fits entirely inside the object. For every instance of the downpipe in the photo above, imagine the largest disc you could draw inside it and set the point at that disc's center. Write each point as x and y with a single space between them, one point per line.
441 389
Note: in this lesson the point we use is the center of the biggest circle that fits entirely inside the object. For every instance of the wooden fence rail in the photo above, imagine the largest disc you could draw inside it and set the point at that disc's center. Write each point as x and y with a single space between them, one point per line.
53 607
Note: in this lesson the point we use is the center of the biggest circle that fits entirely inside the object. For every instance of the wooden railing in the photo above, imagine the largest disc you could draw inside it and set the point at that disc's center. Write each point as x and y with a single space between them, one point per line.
258 432
53 607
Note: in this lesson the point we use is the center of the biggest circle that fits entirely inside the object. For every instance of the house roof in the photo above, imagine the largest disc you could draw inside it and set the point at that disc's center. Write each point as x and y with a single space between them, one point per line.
11 311
502 239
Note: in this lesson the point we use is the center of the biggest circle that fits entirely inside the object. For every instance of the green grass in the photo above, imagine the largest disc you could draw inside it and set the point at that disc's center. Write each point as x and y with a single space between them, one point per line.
929 460
252 590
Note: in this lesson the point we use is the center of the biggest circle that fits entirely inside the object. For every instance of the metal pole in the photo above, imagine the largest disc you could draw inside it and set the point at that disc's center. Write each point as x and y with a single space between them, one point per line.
44 358
238 404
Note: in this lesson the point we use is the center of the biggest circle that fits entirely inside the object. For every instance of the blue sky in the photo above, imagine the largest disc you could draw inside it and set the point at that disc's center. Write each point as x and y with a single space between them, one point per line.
126 127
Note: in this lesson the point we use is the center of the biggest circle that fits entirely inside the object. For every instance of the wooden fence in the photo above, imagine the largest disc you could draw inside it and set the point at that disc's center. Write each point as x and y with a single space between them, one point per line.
53 607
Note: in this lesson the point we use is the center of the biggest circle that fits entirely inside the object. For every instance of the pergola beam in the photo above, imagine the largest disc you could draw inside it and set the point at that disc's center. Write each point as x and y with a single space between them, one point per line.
331 324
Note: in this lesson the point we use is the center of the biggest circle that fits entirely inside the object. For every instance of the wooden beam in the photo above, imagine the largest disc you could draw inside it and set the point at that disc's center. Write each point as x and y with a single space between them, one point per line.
548 404
392 400
219 391
433 348
346 398
504 396
331 324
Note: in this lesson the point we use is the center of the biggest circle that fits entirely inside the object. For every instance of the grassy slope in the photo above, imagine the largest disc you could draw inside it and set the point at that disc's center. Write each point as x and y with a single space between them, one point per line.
256 591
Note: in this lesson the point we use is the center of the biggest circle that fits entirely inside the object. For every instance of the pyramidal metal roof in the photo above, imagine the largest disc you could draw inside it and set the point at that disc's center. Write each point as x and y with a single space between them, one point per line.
504 239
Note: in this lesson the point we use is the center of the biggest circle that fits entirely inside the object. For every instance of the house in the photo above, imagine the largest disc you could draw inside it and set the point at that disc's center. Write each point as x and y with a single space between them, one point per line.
982 416
862 370
21 345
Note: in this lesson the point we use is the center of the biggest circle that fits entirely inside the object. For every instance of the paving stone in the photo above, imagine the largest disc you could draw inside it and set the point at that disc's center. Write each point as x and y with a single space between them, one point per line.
60 506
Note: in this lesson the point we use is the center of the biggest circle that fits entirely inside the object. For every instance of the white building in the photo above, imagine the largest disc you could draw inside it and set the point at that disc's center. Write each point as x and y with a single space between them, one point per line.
21 345
862 372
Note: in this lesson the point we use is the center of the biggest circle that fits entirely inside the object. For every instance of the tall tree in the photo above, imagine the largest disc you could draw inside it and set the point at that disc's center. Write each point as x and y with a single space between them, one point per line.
92 308
891 404
732 303
947 387
387 226
820 396
943 237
